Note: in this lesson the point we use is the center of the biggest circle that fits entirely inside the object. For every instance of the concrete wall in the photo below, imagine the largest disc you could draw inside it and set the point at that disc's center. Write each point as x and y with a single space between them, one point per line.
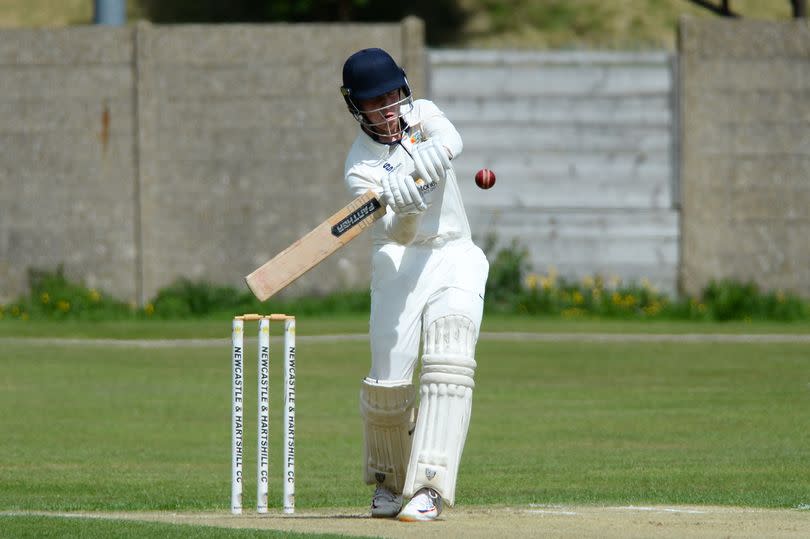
68 168
134 156
583 145
745 91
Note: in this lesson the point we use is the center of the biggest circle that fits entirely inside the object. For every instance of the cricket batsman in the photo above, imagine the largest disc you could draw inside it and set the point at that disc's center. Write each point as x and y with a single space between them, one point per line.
427 285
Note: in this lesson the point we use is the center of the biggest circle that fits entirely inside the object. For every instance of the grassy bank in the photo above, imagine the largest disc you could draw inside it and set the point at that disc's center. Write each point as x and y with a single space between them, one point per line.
488 24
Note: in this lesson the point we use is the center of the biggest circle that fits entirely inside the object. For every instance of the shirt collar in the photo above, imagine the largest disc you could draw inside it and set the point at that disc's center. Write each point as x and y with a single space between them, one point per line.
382 149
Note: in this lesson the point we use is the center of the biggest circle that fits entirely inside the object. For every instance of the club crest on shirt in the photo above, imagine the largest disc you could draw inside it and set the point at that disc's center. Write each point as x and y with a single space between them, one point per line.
416 134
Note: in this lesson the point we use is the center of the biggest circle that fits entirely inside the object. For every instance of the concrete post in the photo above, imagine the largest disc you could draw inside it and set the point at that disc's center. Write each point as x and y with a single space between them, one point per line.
110 12
413 55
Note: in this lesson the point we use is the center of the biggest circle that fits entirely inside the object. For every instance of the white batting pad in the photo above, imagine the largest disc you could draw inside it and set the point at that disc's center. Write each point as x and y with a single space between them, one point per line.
446 387
387 409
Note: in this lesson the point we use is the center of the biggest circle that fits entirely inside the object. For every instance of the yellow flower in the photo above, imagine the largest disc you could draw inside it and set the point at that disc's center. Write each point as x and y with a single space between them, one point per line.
24 316
63 305
15 311
94 295
45 298
588 281
149 309
531 281
652 309
629 301
596 294
573 312
616 298
648 286
546 282
578 298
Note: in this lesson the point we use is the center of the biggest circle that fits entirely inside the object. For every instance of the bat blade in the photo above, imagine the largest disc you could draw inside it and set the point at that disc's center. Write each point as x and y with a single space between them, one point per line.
309 251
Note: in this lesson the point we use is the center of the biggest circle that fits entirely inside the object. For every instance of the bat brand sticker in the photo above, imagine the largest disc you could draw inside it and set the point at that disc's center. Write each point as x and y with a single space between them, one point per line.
356 217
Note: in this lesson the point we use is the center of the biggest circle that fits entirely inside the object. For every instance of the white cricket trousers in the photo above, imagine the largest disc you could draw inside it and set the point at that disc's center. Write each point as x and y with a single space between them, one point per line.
411 286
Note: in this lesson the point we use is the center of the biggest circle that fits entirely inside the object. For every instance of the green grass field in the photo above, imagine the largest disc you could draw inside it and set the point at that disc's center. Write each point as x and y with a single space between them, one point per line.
124 428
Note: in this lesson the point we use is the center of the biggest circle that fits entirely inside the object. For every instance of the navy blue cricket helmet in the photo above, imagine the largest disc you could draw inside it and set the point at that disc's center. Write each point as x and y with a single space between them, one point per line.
371 73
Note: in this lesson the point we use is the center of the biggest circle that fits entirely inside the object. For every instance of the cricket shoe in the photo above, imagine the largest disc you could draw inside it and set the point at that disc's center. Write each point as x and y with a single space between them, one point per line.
424 506
385 504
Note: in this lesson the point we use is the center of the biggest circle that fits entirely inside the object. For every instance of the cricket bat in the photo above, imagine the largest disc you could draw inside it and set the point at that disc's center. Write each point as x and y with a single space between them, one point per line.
313 248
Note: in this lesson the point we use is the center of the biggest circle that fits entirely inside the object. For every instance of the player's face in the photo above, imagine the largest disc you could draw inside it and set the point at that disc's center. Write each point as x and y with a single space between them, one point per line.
382 115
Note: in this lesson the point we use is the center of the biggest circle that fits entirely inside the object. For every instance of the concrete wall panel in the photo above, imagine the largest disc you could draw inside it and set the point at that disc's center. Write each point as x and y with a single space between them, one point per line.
133 156
584 149
745 170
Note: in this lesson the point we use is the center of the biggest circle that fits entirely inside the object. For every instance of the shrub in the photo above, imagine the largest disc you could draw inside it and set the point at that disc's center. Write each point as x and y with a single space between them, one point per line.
731 300
511 289
504 285
53 296
185 298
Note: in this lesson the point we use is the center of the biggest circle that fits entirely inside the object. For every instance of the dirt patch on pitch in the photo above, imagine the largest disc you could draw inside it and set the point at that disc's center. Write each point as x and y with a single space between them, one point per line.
527 521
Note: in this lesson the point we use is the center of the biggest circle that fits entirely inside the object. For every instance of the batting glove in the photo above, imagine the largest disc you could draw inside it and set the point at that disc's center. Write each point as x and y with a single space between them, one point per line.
431 160
401 193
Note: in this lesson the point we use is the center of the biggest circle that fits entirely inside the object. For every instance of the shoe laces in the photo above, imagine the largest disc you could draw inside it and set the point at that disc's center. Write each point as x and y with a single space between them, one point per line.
431 498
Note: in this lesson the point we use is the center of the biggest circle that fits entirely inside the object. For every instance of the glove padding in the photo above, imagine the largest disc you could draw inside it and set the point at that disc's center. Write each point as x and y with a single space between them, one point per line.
431 160
402 194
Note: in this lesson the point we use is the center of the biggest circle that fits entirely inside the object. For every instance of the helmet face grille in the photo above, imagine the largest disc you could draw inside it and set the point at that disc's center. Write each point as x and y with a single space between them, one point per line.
380 129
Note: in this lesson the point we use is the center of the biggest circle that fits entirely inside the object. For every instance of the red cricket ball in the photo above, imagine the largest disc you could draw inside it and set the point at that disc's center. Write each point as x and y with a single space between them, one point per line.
485 178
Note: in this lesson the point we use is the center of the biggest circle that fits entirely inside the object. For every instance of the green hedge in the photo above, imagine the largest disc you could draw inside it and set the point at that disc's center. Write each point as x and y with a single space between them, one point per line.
511 289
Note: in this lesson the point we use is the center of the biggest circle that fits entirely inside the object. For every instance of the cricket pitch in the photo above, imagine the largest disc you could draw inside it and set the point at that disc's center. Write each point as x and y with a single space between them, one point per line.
491 521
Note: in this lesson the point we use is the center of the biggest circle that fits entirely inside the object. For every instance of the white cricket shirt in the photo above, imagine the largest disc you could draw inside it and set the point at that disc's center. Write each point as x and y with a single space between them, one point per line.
369 161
